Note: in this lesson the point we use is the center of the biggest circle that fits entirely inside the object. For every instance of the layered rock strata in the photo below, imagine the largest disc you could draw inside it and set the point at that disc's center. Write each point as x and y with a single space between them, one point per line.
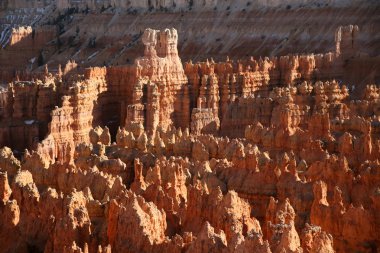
267 155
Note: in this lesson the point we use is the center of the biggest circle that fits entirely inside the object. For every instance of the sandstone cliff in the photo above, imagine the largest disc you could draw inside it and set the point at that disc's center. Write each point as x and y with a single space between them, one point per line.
260 154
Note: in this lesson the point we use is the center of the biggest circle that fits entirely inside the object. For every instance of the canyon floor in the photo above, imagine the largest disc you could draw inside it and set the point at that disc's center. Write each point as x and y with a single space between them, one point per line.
212 128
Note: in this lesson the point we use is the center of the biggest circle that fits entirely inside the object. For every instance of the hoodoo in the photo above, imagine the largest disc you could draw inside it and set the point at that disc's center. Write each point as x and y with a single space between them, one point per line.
189 126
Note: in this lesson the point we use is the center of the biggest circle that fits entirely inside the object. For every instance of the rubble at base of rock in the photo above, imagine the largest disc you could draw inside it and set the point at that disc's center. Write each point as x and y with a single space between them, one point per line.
257 155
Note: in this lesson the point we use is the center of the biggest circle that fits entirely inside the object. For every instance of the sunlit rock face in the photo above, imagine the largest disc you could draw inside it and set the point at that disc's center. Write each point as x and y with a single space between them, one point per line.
115 143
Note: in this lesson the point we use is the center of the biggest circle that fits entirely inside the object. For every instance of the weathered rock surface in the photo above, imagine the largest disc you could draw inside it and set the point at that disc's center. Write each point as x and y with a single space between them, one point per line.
278 154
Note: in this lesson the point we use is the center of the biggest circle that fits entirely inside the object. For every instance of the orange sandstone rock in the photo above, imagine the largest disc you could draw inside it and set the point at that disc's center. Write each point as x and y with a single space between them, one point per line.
275 154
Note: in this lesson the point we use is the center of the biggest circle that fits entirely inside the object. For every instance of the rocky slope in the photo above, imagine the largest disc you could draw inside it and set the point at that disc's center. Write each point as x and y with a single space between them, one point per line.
259 154
110 34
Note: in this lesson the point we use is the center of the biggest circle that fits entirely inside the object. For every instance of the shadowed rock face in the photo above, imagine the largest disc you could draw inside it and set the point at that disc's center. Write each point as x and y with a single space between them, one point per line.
260 154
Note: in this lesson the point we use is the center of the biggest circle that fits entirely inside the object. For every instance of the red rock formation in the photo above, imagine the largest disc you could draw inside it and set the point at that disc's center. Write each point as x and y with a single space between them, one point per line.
163 94
33 42
277 155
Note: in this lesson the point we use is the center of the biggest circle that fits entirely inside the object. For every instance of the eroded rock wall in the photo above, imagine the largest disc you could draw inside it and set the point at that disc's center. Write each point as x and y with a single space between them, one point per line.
266 155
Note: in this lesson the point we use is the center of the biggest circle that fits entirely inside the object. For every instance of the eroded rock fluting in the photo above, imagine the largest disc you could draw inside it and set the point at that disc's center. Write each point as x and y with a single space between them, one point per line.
262 154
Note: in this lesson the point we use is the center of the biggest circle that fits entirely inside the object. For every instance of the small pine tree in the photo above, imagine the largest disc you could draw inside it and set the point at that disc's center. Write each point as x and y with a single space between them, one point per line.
40 60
